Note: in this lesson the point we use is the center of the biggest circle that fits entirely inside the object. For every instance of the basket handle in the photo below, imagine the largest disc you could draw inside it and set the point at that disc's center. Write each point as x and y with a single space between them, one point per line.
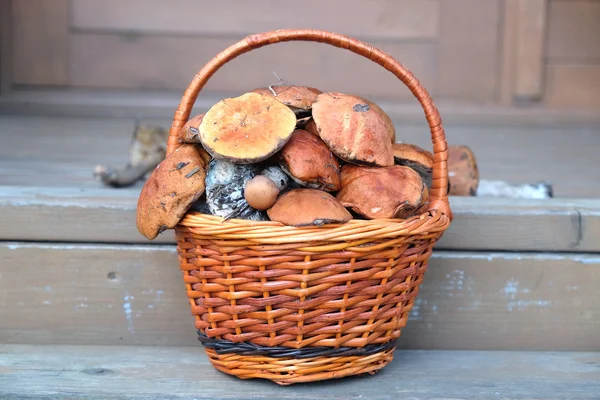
439 188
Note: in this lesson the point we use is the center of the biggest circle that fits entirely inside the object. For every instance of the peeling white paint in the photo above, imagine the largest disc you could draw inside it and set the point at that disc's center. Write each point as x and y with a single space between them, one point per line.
128 312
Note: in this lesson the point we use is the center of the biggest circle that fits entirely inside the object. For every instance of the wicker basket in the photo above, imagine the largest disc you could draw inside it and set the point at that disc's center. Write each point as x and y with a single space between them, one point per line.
305 304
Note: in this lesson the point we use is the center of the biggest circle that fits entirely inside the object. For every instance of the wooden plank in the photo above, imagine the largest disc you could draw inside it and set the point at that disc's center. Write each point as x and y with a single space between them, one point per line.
117 294
98 372
106 215
146 62
466 36
41 46
509 43
400 19
529 59
572 86
160 104
573 31
5 46
60 152
42 151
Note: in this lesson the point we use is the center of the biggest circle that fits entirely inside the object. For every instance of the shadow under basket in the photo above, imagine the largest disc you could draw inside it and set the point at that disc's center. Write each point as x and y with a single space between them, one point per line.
301 304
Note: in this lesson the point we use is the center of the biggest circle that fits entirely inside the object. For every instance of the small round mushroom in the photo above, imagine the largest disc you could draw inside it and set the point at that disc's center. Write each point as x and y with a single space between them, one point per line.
354 129
302 207
415 157
176 183
260 192
225 182
463 173
389 192
246 129
309 162
298 98
189 132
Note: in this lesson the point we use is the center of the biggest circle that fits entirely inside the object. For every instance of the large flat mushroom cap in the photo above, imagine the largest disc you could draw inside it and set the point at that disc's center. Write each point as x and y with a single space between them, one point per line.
246 129
353 129
308 161
168 193
298 98
376 193
301 207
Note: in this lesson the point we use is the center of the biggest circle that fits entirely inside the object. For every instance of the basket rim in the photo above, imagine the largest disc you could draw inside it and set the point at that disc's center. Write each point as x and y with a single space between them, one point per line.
205 226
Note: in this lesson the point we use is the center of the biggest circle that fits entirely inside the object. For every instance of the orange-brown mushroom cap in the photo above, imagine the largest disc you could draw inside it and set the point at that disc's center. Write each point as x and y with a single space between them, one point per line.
298 98
353 129
189 132
463 172
173 186
301 207
308 161
260 192
375 192
246 129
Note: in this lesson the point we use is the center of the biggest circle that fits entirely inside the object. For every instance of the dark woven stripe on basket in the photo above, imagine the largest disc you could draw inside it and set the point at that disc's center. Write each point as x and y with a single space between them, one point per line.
249 349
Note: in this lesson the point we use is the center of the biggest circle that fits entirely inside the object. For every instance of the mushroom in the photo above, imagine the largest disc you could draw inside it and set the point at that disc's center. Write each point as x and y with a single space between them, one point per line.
388 192
276 174
415 157
311 127
354 129
463 173
246 129
301 207
260 192
176 183
309 162
225 182
189 131
148 149
298 98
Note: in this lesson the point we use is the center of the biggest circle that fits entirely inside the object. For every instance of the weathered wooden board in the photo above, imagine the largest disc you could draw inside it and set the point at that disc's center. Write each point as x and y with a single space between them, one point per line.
108 215
466 36
6 59
573 31
530 46
41 151
568 86
117 294
147 62
40 42
399 19
60 151
99 372
510 18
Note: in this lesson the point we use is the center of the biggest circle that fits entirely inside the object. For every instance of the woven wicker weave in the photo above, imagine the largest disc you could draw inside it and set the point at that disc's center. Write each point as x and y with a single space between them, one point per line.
304 304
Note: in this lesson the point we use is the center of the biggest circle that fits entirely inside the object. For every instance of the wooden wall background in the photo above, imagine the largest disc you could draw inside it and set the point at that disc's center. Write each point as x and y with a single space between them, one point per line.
506 52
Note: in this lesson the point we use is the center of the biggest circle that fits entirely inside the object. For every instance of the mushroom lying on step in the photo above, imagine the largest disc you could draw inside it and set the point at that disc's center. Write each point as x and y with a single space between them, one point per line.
298 98
301 207
354 129
189 132
170 190
390 192
246 129
463 173
309 162
415 157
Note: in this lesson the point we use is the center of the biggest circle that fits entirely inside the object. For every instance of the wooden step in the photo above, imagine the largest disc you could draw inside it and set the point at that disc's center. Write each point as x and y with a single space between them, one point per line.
140 372
108 215
69 293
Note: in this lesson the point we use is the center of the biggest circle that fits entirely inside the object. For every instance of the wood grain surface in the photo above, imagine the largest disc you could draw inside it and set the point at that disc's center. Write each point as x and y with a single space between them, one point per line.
134 295
168 373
